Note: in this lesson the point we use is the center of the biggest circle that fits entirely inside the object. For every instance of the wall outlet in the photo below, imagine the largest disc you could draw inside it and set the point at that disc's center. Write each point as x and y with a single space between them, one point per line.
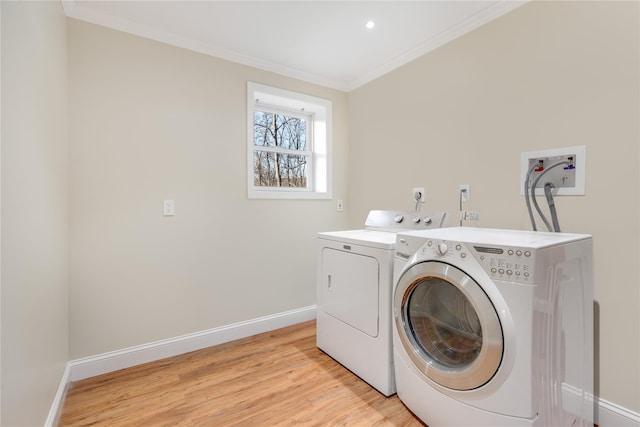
340 206
168 207
415 195
568 179
465 193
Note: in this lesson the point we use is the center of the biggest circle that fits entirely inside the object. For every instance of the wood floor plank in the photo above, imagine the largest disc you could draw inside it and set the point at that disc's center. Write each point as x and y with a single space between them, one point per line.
279 378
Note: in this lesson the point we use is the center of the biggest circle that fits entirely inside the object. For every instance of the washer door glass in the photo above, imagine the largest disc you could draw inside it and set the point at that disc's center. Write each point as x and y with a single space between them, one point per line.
448 325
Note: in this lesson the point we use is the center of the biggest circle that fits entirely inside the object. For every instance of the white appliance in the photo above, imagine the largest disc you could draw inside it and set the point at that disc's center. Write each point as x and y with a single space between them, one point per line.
494 327
354 286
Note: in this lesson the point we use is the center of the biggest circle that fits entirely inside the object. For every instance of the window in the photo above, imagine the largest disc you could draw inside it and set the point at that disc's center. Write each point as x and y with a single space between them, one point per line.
288 137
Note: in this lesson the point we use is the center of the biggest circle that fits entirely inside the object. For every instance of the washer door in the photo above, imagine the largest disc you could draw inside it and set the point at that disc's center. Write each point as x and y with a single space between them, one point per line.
448 325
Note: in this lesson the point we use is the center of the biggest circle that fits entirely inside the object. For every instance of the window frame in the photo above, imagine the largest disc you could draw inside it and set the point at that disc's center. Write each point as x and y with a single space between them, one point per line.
318 113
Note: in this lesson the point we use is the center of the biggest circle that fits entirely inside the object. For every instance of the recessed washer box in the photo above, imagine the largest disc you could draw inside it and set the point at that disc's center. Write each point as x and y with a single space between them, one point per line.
568 179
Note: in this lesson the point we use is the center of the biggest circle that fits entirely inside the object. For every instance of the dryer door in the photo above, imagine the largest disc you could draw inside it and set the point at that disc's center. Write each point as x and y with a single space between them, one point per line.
448 325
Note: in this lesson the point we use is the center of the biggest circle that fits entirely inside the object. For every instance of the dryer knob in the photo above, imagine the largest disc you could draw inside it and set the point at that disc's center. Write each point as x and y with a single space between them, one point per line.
427 220
398 218
442 248
416 220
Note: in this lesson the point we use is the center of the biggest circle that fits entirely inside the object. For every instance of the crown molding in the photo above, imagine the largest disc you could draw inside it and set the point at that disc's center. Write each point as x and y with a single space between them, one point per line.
74 10
454 32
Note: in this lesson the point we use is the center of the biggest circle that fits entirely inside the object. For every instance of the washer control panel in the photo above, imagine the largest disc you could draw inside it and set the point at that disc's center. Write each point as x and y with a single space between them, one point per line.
501 263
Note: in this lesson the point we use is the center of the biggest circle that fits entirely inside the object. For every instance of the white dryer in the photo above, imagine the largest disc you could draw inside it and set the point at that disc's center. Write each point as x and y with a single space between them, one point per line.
494 327
354 286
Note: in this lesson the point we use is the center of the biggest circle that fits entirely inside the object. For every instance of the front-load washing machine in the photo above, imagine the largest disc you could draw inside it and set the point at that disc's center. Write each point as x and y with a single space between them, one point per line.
494 327
354 286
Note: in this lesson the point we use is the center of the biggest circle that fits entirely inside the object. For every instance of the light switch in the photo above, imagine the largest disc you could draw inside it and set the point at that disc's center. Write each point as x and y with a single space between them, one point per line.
168 207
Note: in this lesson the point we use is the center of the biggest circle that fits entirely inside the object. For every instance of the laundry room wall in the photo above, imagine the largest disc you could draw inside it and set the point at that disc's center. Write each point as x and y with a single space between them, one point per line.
547 75
150 122
34 214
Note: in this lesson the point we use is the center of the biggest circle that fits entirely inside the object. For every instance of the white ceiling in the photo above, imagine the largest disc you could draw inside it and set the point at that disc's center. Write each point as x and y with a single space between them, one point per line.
323 42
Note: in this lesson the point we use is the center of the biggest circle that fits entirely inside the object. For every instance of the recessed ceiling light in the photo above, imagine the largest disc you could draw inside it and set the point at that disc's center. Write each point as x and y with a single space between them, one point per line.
370 24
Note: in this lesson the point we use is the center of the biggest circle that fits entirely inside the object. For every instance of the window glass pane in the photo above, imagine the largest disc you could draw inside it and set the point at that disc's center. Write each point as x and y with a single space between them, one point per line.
273 169
279 130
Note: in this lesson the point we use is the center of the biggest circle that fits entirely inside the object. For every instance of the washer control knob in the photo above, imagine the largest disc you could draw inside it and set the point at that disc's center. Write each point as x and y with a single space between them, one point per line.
416 220
398 218
442 248
427 220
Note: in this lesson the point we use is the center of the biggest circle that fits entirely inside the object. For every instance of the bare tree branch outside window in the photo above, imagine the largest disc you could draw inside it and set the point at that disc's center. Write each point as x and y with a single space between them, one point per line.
283 161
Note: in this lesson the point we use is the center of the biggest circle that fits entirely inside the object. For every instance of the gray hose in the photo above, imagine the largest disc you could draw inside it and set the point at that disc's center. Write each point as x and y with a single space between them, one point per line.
526 196
552 207
533 192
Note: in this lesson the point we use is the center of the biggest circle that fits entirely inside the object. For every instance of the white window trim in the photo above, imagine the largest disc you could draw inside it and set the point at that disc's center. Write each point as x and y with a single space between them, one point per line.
320 171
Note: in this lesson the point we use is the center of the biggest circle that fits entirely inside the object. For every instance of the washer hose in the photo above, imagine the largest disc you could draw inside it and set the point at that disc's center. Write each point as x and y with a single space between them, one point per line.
533 194
526 196
552 206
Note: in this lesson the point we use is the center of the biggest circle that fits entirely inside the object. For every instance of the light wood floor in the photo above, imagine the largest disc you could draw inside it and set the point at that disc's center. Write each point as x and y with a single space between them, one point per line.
278 378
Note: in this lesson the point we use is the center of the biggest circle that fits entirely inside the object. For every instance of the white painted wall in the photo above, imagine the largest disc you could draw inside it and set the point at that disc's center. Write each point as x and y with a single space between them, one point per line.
34 216
549 74
151 122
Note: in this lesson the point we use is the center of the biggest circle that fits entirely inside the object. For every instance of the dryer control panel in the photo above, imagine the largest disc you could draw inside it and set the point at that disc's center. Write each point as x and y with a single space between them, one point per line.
394 221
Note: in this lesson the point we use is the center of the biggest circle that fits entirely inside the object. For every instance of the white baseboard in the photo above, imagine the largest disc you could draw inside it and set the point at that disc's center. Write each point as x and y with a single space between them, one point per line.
56 408
611 415
605 414
108 362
